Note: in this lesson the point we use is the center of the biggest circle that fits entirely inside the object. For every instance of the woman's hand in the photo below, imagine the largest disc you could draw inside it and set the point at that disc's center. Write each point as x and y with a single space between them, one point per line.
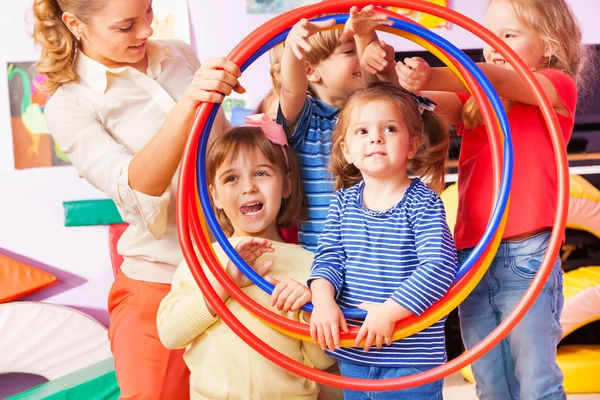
250 250
215 79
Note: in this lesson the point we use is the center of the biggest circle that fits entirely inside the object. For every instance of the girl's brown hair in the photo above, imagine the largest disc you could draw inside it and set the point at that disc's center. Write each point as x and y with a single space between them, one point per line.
58 44
243 139
434 140
557 27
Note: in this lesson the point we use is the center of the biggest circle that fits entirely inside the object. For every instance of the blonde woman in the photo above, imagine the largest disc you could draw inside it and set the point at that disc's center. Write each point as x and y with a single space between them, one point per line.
121 109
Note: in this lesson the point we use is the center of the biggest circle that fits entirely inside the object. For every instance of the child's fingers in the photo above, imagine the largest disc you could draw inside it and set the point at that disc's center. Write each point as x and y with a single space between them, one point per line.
367 9
406 71
416 63
369 341
379 341
284 296
362 332
297 51
321 337
277 292
335 334
327 332
292 299
322 25
354 12
388 340
346 35
343 323
302 300
313 332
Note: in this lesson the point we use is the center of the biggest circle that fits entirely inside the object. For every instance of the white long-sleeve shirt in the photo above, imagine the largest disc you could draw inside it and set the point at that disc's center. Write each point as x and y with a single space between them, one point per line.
102 120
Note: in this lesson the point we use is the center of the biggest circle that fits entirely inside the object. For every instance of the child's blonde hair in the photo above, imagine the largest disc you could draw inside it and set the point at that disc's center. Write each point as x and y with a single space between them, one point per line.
58 44
323 45
557 27
243 139
434 140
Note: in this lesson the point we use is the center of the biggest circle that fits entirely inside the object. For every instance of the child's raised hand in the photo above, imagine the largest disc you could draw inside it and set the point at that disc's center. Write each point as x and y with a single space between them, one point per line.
363 22
413 74
215 79
250 250
288 295
297 39
378 327
377 58
326 321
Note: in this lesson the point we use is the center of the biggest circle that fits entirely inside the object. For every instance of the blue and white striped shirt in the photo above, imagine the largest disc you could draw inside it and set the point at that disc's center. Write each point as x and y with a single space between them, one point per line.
405 252
312 141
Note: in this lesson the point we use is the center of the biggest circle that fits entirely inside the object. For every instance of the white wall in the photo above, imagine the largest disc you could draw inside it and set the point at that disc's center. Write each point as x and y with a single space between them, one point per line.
31 215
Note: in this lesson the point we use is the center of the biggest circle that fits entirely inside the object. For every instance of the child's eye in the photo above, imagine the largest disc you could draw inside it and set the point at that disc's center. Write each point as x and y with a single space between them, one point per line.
126 29
508 35
349 51
390 129
229 179
361 131
262 173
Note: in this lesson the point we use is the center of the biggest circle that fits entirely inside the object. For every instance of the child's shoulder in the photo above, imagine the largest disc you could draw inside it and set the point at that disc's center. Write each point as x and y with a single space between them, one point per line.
419 194
322 109
349 194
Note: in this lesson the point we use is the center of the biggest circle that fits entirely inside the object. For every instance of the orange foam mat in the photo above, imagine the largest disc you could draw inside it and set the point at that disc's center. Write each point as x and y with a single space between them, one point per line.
18 280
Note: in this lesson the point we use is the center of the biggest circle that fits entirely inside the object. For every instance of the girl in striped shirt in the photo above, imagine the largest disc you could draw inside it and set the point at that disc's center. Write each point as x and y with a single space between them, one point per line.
386 247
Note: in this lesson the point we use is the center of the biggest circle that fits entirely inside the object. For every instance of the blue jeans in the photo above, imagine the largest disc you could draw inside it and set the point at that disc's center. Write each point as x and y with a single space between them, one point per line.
522 366
431 390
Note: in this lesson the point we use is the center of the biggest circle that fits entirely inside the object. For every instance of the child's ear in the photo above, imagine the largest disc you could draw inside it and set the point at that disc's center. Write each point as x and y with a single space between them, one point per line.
215 196
287 186
346 152
414 146
312 74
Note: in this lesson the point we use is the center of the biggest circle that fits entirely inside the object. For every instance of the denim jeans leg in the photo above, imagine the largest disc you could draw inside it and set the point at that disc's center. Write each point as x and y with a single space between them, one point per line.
494 371
430 391
534 340
354 371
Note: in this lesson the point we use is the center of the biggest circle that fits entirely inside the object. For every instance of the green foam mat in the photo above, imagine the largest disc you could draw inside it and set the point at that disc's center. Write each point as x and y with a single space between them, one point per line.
96 382
91 212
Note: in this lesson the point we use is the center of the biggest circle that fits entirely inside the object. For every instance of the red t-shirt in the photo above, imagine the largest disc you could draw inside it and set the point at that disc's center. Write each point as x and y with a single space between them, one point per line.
534 187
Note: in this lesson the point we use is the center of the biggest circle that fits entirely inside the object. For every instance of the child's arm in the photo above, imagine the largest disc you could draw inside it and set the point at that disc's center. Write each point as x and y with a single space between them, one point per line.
184 314
507 83
294 82
362 25
326 280
379 60
436 253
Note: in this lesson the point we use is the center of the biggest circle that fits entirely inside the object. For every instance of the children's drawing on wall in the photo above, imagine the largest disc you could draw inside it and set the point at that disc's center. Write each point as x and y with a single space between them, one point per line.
428 21
171 20
275 6
33 146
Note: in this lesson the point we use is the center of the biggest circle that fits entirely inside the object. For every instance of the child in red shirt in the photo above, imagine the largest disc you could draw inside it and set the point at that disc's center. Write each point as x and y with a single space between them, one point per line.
522 366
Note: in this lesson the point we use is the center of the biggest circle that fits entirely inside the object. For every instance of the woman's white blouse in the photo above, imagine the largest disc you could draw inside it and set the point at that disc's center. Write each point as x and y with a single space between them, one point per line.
102 120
